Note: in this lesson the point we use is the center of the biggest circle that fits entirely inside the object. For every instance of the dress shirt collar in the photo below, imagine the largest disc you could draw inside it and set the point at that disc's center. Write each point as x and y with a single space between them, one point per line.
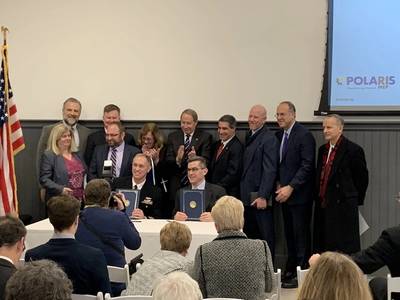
289 130
59 235
6 258
227 141
139 186
201 186
119 148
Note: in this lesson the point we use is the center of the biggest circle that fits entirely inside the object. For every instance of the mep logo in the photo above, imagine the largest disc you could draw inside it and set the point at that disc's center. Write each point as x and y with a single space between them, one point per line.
381 82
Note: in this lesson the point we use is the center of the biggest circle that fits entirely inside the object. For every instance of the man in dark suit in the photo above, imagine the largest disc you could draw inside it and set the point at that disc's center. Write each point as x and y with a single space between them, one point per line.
150 196
85 266
294 188
71 112
225 167
342 181
260 167
116 151
12 244
181 145
197 170
384 252
111 114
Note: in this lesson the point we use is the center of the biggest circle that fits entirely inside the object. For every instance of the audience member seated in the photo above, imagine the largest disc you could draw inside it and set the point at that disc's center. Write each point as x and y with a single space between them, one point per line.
384 252
85 266
334 276
177 286
233 266
39 280
197 170
107 229
111 114
175 241
116 151
62 171
12 244
150 196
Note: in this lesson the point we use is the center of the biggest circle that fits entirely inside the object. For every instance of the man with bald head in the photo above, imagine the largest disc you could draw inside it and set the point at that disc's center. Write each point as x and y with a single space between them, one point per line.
257 185
342 181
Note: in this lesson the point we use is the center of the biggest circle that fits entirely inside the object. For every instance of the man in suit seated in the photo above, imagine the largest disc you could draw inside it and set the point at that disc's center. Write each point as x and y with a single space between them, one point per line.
12 244
85 266
111 114
197 170
116 151
181 145
150 195
225 168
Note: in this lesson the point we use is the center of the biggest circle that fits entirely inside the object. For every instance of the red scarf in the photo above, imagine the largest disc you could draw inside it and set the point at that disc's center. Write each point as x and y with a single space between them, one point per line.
326 170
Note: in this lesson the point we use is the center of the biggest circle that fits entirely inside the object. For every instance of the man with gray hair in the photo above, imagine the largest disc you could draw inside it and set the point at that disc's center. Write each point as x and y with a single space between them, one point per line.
225 168
342 181
12 244
71 112
181 145
39 280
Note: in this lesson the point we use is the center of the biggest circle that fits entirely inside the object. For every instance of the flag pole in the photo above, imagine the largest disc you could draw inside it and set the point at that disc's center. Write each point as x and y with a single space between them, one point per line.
4 30
14 210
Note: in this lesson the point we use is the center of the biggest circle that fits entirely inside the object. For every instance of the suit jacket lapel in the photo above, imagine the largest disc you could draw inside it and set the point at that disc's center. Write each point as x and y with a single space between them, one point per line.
124 162
251 147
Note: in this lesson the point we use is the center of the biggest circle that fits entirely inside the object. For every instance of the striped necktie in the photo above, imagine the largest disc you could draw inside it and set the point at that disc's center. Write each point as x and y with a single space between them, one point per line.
114 162
186 145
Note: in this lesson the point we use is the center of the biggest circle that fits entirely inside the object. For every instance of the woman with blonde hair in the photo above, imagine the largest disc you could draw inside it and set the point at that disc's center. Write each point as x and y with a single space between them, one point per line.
62 171
334 276
175 239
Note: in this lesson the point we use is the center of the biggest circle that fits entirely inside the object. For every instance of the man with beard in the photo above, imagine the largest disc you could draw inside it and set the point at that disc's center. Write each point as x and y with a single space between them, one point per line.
111 114
71 112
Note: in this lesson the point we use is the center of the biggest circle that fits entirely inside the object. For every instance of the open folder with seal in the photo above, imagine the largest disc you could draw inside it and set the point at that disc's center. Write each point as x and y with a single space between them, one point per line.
132 200
192 203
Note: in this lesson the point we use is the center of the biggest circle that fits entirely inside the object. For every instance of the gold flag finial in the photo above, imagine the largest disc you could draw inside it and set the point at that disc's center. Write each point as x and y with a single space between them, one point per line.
4 30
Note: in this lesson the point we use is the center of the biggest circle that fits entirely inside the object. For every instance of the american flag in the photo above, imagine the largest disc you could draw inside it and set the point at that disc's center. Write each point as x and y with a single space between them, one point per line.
11 141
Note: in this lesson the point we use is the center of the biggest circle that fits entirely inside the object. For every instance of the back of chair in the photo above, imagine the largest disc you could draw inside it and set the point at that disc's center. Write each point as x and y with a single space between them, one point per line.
301 274
222 299
117 274
277 275
108 297
393 286
87 297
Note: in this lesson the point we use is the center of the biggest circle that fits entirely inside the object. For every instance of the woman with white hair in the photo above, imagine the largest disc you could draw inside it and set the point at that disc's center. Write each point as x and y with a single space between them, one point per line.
233 266
177 286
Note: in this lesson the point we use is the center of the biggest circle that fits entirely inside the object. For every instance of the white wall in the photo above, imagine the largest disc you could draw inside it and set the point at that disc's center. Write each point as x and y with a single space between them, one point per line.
157 57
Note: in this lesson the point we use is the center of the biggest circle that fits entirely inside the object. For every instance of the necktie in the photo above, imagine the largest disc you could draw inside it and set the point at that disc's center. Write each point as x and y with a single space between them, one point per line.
114 162
135 187
186 145
219 151
284 144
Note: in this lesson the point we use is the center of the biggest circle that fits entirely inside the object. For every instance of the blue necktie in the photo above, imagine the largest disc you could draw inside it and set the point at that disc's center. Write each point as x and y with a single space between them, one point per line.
114 162
284 144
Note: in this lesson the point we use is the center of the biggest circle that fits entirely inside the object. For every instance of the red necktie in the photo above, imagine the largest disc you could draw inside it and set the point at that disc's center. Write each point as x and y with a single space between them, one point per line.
219 151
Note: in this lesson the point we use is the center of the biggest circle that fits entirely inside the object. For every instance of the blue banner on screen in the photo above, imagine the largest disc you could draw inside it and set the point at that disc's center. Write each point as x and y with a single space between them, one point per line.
364 55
